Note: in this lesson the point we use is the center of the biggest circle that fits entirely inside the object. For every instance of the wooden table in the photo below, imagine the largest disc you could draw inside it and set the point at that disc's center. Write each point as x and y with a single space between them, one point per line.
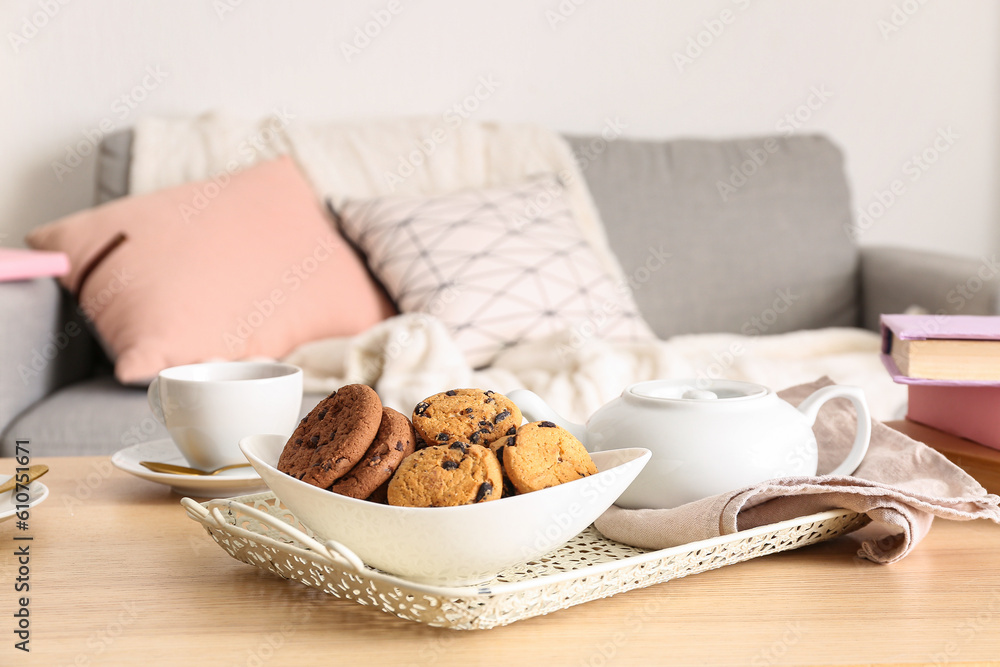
120 575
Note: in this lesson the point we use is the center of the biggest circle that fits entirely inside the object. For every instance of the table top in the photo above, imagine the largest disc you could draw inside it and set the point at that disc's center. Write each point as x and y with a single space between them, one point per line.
119 573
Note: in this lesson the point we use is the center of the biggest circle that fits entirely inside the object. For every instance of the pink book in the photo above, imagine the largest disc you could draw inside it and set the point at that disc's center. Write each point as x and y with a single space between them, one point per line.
931 327
971 412
967 408
24 264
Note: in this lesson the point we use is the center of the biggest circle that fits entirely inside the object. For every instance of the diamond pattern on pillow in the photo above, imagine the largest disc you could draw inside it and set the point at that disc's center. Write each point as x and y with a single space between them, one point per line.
498 266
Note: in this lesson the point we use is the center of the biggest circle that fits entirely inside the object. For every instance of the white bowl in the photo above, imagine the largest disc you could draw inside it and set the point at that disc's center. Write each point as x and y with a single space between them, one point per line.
449 546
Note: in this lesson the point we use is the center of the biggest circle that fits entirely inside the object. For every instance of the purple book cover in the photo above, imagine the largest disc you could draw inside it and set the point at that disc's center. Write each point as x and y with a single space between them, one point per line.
930 327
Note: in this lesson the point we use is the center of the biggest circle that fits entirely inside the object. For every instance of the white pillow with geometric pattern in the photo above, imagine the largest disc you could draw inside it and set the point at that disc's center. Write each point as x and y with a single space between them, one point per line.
498 266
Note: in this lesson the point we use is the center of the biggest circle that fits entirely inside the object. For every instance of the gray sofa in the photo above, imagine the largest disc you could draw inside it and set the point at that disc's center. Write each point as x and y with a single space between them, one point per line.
747 236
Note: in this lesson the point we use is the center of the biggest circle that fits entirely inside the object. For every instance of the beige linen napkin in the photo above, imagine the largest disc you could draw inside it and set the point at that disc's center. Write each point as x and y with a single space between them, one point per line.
901 484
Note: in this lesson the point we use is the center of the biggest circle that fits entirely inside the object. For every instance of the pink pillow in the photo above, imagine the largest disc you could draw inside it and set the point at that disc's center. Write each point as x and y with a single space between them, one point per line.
214 270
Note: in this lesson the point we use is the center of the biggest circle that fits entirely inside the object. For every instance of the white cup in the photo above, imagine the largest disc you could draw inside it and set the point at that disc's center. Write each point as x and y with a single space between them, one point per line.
208 408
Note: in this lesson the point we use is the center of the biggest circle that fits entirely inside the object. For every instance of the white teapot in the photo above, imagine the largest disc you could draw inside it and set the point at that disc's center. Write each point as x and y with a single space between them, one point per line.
707 439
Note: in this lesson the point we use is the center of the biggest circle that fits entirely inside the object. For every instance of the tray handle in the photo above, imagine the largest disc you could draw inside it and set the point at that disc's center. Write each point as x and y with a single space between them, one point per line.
330 549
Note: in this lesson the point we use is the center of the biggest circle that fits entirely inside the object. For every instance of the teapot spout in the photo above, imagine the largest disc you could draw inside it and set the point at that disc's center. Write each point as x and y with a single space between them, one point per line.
535 409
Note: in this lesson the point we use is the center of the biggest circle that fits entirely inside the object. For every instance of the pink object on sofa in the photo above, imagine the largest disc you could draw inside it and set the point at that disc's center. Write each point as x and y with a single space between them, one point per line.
23 264
241 266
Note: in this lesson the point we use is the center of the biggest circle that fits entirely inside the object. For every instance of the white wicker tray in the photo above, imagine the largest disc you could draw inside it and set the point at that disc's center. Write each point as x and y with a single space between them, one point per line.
259 531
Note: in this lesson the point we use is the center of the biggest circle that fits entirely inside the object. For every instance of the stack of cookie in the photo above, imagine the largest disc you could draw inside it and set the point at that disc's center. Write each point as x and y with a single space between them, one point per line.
349 443
464 446
456 464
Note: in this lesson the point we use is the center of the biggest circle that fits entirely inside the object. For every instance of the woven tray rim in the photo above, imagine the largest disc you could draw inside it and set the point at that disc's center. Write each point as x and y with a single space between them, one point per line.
501 588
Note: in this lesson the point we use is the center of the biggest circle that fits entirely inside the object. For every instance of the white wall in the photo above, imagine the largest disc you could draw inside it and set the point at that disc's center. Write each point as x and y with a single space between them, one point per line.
890 93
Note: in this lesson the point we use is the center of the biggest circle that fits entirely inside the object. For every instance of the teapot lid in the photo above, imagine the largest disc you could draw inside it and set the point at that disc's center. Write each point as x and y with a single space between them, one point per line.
700 390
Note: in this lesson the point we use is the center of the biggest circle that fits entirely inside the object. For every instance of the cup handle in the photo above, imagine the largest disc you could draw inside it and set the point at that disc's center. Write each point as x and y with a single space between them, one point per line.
153 396
810 408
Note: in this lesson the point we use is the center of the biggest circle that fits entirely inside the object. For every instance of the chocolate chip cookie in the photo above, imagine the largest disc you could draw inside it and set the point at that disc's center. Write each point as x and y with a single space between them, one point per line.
497 447
333 437
543 454
445 476
471 416
393 443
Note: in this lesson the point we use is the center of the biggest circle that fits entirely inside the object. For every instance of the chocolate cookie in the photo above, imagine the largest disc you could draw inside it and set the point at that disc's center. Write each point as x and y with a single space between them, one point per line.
393 443
543 454
333 437
497 447
445 476
380 495
471 416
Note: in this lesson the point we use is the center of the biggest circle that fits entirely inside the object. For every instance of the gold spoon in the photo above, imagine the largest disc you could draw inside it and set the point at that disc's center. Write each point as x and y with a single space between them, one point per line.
34 472
171 469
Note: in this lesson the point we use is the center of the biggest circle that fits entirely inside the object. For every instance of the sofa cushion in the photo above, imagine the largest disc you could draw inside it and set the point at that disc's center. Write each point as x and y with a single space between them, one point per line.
498 266
45 343
743 236
224 269
95 417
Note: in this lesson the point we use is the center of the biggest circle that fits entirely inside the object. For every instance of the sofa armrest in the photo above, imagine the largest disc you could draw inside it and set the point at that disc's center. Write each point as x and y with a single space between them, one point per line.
45 344
894 279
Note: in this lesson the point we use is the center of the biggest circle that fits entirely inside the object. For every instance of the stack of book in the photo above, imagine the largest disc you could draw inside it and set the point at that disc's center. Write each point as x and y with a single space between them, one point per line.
951 366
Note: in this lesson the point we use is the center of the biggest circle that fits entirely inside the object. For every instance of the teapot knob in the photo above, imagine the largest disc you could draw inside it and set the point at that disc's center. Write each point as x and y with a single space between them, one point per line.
699 394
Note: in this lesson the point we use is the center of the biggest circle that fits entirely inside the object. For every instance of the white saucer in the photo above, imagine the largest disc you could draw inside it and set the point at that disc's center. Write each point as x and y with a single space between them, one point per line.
227 483
36 489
